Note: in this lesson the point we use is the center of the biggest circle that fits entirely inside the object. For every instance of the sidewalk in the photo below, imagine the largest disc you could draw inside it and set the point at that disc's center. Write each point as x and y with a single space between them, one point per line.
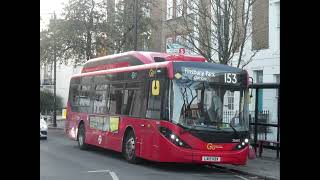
60 123
266 166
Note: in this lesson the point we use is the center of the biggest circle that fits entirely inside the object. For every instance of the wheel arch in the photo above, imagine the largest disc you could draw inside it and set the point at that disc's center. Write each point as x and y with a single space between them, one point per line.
126 132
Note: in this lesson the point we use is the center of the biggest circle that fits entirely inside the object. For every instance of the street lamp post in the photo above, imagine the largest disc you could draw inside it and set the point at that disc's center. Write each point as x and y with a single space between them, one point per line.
54 76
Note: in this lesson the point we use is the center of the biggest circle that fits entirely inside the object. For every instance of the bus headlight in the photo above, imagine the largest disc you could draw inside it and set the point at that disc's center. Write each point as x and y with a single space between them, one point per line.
173 137
242 144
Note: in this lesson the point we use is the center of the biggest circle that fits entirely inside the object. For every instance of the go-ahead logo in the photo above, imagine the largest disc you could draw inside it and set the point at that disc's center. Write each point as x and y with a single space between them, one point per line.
211 146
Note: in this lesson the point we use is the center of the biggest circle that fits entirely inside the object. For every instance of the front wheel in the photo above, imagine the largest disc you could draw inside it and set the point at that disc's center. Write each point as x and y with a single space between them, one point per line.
129 149
81 137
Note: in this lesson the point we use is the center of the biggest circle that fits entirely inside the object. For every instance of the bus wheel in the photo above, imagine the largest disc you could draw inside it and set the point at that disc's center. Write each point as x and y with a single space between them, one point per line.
81 137
130 148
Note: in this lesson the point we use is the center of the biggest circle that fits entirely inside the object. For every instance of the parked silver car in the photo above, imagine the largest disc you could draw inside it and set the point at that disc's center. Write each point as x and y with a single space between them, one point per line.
43 128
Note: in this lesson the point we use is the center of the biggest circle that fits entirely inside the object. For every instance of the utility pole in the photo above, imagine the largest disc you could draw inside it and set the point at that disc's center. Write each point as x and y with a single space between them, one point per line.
135 25
55 72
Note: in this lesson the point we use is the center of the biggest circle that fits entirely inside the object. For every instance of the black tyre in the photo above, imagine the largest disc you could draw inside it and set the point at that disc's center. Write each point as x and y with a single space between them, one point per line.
81 137
129 148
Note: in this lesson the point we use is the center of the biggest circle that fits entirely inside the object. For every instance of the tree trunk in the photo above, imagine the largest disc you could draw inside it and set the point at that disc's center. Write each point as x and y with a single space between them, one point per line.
88 45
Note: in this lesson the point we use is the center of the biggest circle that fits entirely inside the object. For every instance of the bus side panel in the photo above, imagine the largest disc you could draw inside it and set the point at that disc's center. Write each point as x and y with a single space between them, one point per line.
144 131
113 140
72 123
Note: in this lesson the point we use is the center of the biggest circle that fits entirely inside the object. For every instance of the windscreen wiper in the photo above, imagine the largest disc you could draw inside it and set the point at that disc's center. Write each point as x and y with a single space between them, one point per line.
186 129
235 131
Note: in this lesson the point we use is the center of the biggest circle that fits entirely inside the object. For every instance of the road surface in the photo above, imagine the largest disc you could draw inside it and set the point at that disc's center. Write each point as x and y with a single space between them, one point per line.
61 159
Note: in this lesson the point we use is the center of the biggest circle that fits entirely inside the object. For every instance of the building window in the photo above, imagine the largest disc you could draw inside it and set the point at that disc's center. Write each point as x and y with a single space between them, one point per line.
179 7
277 79
230 98
259 76
260 25
169 9
277 7
190 6
259 79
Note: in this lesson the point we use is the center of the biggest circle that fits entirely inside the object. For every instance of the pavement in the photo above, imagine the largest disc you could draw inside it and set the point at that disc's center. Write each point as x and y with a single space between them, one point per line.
266 167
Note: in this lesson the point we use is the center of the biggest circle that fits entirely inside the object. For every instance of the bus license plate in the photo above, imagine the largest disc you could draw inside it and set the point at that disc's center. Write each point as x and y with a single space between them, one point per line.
211 158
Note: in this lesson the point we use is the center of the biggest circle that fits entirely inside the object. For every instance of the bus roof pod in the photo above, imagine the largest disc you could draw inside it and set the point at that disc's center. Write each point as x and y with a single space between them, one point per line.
133 58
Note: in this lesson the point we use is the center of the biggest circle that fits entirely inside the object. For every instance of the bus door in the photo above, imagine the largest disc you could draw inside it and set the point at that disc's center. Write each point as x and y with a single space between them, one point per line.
111 131
98 120
149 147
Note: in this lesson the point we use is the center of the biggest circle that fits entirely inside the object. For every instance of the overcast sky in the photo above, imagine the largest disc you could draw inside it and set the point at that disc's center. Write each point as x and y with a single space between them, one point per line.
47 7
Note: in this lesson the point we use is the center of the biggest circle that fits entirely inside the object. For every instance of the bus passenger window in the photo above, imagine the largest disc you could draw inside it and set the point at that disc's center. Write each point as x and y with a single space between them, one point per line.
136 103
99 99
73 97
116 96
127 103
132 102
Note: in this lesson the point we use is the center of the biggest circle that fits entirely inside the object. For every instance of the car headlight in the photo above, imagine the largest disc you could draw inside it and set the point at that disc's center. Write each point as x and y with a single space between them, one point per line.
173 137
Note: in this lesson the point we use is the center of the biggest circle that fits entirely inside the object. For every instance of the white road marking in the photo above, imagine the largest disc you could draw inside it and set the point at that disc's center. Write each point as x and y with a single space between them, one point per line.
241 177
98 171
112 174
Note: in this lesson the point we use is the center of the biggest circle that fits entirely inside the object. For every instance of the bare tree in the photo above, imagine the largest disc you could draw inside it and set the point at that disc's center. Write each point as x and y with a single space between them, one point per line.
216 29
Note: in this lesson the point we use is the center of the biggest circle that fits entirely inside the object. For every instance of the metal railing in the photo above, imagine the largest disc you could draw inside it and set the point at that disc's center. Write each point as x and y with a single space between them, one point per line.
46 82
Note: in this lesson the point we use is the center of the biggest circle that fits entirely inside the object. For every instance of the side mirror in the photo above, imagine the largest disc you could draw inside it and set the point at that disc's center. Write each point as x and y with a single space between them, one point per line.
155 87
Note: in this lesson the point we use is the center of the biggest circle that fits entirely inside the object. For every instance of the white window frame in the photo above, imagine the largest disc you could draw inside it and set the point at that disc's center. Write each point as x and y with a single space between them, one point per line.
230 100
169 9
191 6
179 8
259 74
277 80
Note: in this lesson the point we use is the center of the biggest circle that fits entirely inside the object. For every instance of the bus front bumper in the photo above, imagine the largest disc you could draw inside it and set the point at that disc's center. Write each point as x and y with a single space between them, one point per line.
235 157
